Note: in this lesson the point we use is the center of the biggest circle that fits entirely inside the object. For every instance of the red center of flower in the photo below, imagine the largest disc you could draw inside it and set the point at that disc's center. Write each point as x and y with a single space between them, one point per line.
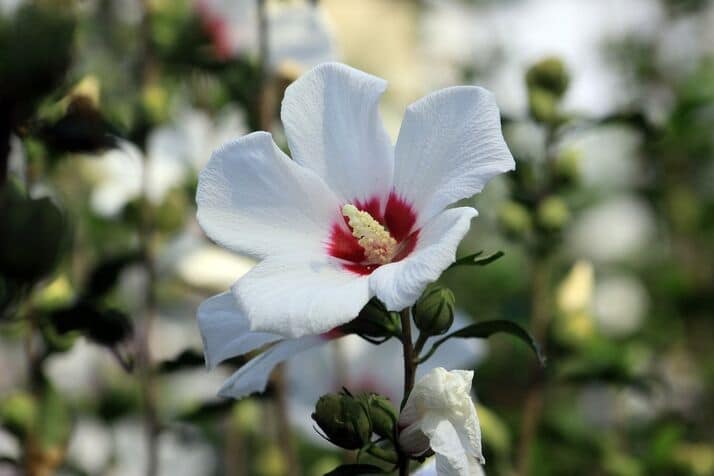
398 219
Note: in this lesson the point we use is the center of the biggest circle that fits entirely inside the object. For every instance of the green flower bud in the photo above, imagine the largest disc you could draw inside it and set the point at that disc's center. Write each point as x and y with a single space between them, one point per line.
567 165
543 105
515 219
550 75
344 420
434 310
18 414
553 213
374 321
383 415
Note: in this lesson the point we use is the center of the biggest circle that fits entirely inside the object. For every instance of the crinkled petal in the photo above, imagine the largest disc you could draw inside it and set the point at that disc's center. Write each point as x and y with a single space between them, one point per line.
333 126
253 376
226 331
453 455
450 145
254 200
301 294
398 285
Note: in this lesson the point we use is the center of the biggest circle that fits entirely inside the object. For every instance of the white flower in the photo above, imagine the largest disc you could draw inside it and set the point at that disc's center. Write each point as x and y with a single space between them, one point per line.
351 216
226 333
298 35
439 414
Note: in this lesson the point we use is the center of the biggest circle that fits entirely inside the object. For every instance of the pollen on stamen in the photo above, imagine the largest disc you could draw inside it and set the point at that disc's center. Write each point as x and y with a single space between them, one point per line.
379 246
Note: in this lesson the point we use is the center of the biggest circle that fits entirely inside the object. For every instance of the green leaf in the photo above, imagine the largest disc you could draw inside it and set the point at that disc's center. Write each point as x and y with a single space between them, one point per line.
32 236
355 469
187 358
484 330
476 260
106 274
488 328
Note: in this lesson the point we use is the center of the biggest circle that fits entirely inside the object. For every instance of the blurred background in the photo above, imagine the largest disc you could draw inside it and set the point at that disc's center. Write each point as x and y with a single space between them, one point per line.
108 110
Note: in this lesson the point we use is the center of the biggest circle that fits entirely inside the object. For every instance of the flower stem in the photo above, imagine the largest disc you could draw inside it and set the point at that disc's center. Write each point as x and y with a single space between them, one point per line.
409 363
409 371
533 406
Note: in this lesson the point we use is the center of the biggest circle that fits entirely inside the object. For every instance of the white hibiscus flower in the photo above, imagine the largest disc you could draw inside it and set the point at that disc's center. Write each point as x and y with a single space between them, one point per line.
351 217
439 414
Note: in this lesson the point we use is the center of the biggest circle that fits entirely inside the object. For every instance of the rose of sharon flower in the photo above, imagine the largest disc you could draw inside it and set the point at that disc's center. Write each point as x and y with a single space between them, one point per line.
351 216
439 414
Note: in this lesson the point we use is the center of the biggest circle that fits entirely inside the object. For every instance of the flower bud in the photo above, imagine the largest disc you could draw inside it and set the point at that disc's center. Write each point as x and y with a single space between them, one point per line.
550 75
344 420
434 310
567 165
543 105
374 321
514 219
383 415
553 213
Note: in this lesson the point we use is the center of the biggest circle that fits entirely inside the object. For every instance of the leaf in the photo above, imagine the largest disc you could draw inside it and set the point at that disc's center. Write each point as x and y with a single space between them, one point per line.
82 129
486 329
474 260
187 358
32 236
108 327
355 469
106 274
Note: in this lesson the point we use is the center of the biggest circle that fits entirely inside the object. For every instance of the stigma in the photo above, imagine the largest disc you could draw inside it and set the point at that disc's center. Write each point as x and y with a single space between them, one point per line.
379 246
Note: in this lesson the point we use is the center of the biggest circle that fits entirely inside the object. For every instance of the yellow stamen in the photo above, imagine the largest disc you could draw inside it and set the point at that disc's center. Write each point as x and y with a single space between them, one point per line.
379 246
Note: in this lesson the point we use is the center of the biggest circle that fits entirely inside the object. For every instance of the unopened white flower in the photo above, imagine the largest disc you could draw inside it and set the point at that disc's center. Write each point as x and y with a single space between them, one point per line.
321 262
299 35
439 414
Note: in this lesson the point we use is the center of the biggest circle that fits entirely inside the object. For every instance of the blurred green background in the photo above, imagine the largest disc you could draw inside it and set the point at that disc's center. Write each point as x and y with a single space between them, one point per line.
108 110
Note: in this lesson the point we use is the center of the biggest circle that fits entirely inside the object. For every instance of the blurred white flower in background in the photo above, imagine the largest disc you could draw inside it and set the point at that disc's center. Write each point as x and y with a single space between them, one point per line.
9 445
439 414
621 304
299 33
180 454
608 157
503 38
617 229
8 7
90 445
201 264
83 370
174 152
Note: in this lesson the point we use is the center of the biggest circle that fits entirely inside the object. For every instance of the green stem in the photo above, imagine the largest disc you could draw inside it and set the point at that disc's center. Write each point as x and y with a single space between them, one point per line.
410 365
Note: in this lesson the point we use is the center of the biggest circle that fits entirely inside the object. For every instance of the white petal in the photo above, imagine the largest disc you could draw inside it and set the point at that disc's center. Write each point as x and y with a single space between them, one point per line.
450 145
398 285
253 376
253 199
301 294
226 331
454 456
333 126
